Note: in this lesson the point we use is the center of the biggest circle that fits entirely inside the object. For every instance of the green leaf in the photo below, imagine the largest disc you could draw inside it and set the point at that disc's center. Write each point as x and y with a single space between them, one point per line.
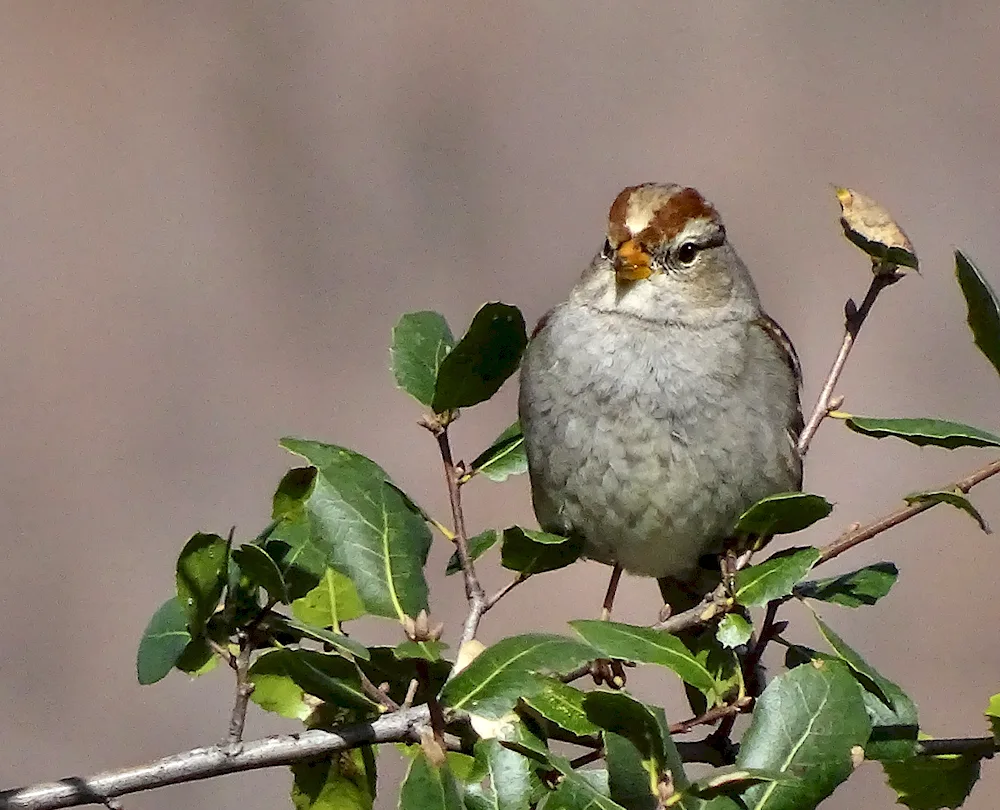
578 790
338 782
862 587
993 715
262 570
984 309
561 704
342 644
646 646
274 688
921 432
488 353
775 577
162 643
929 783
732 780
428 787
628 779
202 573
807 722
733 631
509 774
333 601
534 552
197 659
504 457
478 546
892 714
953 497
420 341
328 677
385 667
364 528
783 513
492 684
425 650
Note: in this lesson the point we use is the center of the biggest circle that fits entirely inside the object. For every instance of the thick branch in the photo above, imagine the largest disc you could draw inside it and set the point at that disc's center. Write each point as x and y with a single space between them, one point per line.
859 534
206 763
853 321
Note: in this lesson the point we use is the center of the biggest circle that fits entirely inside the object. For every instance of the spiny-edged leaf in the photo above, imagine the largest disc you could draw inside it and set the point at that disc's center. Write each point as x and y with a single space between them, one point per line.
483 359
429 787
561 704
328 677
262 570
930 783
733 631
775 577
477 546
509 777
384 667
862 587
783 513
493 682
365 529
163 642
953 497
420 341
892 713
504 457
333 601
921 432
993 715
426 650
202 573
805 724
869 226
646 646
342 644
533 552
984 309
639 724
338 782
579 790
733 780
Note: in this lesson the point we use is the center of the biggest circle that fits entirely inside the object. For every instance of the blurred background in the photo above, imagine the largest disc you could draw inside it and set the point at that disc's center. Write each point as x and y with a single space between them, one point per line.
212 213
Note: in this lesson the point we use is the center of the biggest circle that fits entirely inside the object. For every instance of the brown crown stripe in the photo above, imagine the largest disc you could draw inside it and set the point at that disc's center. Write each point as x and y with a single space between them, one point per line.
677 208
617 232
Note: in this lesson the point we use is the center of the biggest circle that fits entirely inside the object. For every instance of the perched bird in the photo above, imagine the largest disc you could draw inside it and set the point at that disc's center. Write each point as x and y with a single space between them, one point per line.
660 401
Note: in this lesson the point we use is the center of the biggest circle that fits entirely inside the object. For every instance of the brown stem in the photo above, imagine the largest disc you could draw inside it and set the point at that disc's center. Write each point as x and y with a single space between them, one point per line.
500 594
244 688
433 705
586 759
711 716
979 747
859 534
375 693
854 320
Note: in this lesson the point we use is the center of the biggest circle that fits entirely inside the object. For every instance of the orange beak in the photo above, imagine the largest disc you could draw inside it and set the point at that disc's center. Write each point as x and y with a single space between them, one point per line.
632 262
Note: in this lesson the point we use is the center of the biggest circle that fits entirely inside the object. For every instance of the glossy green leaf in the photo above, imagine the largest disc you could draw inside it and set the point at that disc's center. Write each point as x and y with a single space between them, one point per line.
332 601
488 353
420 341
325 676
806 723
534 552
862 587
723 666
733 780
930 783
274 688
162 643
733 631
429 787
504 457
364 528
492 684
646 646
921 432
262 570
892 713
775 577
628 778
338 782
340 643
561 704
197 659
425 650
509 777
993 715
783 513
579 790
202 574
478 546
384 666
954 498
984 309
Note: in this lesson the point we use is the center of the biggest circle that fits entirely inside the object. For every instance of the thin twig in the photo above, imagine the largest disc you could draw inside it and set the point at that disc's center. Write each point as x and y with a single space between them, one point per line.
979 747
473 589
223 652
711 716
217 760
858 534
433 704
853 321
375 693
244 688
504 591
586 759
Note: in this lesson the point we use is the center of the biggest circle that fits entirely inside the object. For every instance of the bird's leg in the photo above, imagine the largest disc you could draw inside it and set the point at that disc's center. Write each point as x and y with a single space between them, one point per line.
605 670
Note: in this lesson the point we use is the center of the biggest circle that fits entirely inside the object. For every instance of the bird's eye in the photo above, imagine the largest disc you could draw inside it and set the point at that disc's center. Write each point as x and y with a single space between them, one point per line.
687 252
607 250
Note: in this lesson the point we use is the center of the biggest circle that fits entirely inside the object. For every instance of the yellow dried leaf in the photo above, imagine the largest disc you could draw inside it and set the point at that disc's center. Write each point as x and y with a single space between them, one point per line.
872 228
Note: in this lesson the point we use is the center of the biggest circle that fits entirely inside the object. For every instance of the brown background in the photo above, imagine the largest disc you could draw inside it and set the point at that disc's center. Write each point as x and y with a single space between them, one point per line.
211 214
